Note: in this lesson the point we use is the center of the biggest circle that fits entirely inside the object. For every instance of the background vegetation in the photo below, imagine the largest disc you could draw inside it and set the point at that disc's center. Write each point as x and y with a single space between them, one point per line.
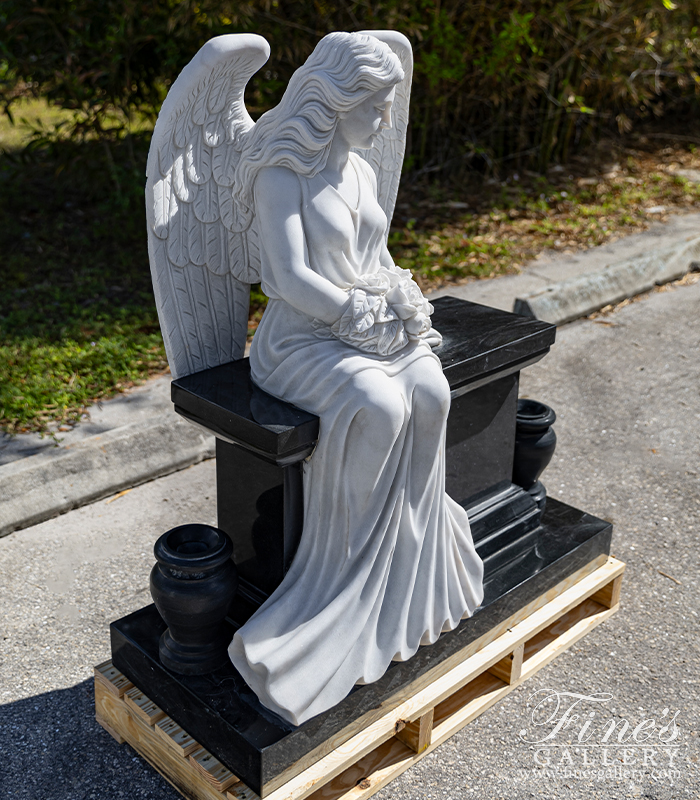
503 92
523 80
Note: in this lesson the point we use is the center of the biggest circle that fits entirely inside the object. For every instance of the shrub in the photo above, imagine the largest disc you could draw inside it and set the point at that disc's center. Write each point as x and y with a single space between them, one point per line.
520 81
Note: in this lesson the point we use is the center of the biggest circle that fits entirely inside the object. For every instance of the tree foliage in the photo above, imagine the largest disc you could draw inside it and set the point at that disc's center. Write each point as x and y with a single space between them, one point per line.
520 80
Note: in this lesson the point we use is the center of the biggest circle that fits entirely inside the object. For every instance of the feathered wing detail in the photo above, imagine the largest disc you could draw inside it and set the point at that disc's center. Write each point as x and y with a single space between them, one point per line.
386 156
203 257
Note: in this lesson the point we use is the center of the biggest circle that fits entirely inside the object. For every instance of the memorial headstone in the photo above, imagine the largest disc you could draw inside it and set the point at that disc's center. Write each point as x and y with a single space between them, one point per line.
377 478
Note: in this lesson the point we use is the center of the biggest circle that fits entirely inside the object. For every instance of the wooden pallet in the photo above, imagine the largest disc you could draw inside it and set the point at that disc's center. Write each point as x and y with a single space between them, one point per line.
391 744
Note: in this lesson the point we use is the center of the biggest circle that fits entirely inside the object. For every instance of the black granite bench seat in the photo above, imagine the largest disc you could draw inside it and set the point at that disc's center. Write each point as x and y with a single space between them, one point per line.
479 343
226 402
262 443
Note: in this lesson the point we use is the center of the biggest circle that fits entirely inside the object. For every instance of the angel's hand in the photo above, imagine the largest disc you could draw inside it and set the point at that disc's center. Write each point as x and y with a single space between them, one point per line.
417 325
433 338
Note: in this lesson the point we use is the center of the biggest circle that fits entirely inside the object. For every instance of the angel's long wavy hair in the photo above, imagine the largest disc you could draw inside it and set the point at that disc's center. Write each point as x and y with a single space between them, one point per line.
342 71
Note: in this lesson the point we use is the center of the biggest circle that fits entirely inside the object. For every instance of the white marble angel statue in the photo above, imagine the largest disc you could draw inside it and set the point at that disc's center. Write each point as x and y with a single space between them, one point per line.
303 199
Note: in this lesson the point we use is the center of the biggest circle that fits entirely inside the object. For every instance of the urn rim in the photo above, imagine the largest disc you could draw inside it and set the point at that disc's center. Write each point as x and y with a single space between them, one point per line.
193 546
533 415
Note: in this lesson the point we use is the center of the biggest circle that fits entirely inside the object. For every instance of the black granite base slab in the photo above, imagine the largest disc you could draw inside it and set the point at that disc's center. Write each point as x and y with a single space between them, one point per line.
503 522
224 715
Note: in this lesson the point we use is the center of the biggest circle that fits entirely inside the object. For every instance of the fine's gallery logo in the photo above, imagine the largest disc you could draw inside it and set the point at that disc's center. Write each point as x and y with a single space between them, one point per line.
580 736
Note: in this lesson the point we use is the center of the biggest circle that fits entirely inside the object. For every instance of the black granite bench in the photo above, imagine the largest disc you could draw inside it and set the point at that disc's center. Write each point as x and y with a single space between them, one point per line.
262 443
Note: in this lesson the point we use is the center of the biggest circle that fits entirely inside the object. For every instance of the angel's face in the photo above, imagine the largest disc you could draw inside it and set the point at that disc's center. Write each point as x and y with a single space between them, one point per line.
360 126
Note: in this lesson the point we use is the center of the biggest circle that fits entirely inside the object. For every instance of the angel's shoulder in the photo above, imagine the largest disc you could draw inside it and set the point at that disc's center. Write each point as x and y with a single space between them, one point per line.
276 179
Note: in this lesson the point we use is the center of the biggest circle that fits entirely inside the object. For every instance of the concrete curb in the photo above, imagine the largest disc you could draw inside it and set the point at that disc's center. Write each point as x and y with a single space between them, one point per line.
42 486
137 437
552 267
577 297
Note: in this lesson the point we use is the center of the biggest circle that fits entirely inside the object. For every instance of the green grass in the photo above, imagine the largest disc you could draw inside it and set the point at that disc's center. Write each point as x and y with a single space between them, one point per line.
78 321
457 251
512 224
77 316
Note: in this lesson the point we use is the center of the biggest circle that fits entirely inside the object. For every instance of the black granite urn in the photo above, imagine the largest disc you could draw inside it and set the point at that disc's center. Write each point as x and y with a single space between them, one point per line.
193 585
535 441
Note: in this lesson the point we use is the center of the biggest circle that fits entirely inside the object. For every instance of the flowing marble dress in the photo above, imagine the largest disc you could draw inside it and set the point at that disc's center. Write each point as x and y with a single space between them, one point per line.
386 560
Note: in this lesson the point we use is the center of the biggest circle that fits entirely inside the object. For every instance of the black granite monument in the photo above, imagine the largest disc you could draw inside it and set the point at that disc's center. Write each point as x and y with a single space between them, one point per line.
261 445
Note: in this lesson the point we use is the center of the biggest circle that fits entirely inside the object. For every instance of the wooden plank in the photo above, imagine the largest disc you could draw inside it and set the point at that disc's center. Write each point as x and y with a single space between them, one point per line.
416 735
144 708
566 631
609 595
176 737
112 679
335 762
466 704
140 735
508 669
212 770
110 730
239 791
369 774
383 714
381 766
372 758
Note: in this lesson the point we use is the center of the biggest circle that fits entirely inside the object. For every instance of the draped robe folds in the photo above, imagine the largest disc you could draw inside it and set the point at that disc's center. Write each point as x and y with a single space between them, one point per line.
386 560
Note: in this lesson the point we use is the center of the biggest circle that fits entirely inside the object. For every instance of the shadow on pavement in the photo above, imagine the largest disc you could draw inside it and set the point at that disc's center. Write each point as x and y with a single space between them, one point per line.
52 747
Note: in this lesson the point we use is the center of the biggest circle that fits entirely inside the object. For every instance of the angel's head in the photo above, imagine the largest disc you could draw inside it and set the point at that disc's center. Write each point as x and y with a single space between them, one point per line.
344 70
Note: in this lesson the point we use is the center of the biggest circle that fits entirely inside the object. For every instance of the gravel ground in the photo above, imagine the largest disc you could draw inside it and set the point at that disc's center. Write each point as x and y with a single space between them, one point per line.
625 388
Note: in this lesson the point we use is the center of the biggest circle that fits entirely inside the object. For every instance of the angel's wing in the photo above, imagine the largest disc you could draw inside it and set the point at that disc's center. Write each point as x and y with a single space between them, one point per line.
203 256
386 156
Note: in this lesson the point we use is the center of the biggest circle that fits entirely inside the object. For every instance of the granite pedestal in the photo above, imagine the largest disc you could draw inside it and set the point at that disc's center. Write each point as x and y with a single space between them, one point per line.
261 445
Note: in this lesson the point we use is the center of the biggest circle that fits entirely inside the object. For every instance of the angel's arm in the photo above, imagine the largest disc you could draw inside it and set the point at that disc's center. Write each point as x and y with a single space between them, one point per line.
278 211
385 258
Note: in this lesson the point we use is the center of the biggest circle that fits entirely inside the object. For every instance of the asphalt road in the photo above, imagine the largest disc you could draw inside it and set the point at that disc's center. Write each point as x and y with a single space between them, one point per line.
625 389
